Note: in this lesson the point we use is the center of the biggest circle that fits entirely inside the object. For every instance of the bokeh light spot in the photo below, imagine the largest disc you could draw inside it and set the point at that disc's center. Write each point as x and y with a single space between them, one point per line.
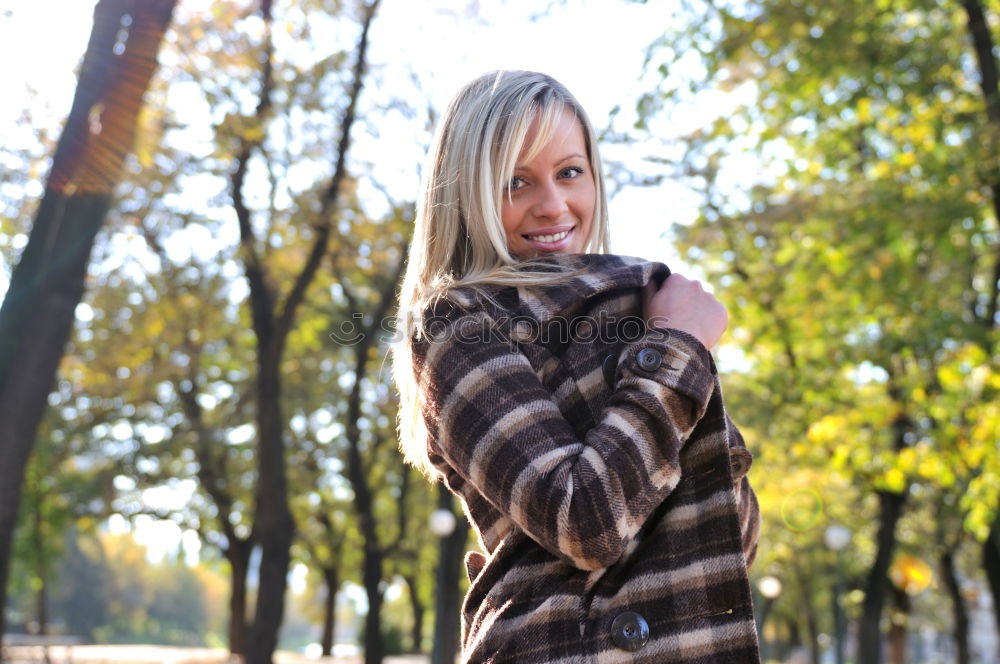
801 509
911 574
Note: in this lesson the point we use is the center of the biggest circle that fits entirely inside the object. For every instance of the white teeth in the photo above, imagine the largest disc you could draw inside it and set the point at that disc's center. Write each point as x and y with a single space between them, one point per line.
550 238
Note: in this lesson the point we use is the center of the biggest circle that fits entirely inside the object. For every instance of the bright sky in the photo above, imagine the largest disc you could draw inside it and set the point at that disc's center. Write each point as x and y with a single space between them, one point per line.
595 48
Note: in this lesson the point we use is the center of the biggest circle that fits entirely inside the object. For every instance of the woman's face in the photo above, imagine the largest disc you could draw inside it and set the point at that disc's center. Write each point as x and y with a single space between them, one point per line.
550 208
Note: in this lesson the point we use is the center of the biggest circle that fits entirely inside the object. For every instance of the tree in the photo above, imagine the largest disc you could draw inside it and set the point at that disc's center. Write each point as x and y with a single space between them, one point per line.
271 324
322 539
65 490
107 589
368 420
47 284
860 263
164 355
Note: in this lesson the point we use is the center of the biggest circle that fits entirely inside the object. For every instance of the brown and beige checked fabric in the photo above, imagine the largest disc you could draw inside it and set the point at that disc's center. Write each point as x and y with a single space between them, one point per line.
597 464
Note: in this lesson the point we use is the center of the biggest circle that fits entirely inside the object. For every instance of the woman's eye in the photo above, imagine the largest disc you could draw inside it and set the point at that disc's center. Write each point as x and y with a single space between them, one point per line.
515 183
571 172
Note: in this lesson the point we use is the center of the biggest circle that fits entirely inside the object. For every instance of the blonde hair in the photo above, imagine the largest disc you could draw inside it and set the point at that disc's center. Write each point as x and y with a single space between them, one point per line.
458 235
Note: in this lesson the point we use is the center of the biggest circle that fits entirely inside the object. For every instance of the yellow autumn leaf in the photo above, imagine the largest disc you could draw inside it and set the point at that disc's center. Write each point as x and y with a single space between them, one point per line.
921 134
865 110
253 134
907 459
825 429
930 468
155 328
894 480
880 169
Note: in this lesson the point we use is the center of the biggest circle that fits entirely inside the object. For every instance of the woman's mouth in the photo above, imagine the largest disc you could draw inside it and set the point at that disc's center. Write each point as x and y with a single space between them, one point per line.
549 239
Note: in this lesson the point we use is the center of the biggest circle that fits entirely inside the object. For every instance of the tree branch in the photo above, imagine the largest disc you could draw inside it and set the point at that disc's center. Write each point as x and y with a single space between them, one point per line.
332 194
211 467
352 301
261 294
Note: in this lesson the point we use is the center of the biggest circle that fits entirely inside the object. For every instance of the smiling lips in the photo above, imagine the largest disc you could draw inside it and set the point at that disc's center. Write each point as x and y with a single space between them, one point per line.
549 239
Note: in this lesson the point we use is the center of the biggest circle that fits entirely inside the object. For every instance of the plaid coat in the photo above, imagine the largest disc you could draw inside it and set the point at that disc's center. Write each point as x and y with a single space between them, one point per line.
596 462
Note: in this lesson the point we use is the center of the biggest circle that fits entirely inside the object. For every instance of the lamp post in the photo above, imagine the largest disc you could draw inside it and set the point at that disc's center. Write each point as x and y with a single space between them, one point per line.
837 538
442 522
770 588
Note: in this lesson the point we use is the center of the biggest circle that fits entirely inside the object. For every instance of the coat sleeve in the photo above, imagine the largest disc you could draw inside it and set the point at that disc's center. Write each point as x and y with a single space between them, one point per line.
490 418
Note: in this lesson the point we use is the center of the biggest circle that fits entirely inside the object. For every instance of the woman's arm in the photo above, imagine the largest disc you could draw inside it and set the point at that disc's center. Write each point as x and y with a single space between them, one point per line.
491 419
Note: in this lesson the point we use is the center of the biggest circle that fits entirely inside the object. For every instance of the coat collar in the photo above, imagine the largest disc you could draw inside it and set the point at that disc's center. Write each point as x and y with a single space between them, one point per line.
593 274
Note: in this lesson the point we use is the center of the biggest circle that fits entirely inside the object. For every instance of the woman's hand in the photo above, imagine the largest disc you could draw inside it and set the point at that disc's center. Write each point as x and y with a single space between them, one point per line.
682 304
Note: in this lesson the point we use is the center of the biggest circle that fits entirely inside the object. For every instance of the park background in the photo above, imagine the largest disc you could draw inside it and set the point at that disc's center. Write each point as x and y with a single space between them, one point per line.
214 462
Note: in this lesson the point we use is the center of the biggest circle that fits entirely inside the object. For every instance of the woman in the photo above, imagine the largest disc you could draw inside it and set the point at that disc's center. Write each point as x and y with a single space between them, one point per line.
569 399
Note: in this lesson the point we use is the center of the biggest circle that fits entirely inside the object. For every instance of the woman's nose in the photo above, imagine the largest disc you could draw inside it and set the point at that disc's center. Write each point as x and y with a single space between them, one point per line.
550 201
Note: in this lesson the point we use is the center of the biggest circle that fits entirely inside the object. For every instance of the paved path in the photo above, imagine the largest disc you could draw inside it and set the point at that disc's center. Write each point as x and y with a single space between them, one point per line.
168 655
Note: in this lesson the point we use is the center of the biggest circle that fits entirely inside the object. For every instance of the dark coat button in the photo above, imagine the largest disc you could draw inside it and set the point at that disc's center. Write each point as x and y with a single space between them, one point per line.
740 462
649 359
610 367
629 631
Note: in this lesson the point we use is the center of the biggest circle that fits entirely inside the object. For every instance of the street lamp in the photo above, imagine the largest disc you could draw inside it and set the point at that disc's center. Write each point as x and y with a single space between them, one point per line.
442 522
837 538
770 588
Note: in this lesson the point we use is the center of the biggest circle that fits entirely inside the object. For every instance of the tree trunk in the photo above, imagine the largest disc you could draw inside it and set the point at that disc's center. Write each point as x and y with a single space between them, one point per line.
989 82
839 628
372 577
332 580
364 505
899 625
447 598
371 574
417 607
357 475
812 624
238 554
273 526
950 578
877 585
991 565
794 638
212 477
41 597
41 572
38 312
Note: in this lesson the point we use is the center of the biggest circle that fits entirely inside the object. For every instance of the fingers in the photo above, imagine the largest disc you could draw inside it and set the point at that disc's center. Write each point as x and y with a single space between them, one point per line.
680 281
684 304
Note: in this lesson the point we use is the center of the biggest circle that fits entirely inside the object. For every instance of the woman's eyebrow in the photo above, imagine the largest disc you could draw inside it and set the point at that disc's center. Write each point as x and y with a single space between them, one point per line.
575 155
